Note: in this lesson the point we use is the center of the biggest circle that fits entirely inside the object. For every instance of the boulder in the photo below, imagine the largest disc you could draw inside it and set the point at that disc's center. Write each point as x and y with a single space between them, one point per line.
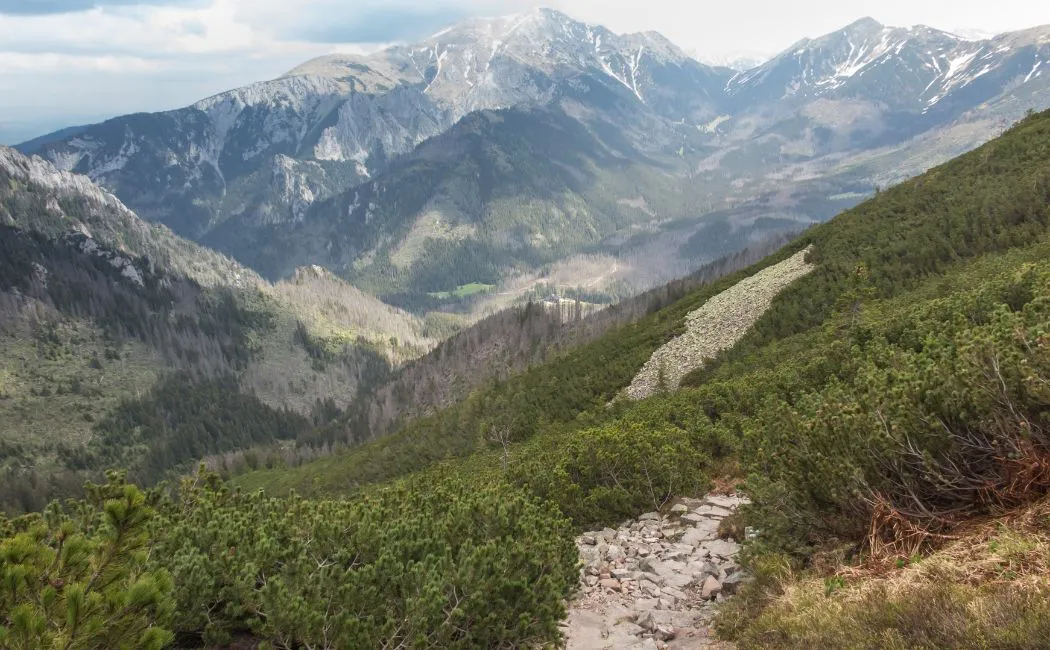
710 588
590 556
654 578
651 618
641 604
680 580
704 531
729 503
721 548
610 583
713 511
664 632
629 628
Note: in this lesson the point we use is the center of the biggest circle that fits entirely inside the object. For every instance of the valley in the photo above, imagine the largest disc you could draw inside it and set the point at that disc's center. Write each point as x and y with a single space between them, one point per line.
392 169
532 334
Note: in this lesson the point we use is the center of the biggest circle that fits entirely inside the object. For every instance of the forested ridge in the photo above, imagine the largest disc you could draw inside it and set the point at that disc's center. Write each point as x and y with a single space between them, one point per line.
122 345
49 290
891 397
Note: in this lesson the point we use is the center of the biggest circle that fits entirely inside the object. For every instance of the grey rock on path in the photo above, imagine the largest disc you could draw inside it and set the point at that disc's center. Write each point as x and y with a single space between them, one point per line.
654 583
717 325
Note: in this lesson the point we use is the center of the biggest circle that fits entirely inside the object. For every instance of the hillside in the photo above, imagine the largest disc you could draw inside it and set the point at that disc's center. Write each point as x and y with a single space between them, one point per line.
893 280
121 340
534 149
886 402
905 234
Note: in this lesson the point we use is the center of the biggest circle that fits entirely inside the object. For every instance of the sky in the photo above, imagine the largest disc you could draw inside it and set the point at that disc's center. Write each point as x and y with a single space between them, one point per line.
68 62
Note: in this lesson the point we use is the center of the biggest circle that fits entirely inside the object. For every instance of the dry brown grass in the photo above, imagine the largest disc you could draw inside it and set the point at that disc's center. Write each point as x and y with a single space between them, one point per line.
988 586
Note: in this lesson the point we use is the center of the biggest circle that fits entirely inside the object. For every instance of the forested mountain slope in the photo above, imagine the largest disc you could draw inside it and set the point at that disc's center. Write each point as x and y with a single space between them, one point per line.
892 398
126 345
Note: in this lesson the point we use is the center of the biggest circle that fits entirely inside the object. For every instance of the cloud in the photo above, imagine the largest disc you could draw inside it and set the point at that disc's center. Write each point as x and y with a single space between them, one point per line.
367 21
374 25
145 32
46 7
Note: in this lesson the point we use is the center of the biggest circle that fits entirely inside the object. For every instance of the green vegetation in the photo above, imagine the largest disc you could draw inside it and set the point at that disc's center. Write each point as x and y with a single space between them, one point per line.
65 377
84 579
898 389
990 200
136 349
463 291
437 568
896 394
179 421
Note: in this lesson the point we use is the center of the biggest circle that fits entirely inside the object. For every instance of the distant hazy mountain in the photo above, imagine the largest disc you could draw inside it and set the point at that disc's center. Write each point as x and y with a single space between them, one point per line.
503 149
739 61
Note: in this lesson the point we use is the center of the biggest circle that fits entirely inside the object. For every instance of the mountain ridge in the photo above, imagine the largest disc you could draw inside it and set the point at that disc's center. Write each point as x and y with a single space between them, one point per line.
742 154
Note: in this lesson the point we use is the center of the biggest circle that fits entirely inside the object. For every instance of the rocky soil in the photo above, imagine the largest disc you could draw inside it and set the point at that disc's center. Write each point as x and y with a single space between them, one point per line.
655 582
717 325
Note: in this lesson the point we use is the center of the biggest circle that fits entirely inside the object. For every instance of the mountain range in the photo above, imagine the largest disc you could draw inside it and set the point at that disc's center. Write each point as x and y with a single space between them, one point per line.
873 392
501 152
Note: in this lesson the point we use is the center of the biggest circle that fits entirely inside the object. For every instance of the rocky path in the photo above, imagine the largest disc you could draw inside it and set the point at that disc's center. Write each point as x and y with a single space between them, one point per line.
717 325
655 582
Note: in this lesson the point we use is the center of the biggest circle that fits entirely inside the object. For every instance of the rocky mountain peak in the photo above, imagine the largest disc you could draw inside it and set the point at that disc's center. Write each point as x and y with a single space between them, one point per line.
1037 36
38 171
912 68
271 158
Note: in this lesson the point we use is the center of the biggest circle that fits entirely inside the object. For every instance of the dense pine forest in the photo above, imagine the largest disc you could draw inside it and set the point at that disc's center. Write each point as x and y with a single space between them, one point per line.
889 401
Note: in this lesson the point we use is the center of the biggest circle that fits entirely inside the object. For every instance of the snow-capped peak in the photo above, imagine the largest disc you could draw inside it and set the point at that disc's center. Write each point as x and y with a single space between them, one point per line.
740 61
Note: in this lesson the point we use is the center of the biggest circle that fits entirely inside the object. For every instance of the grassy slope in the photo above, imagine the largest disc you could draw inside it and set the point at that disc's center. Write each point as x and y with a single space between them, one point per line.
987 588
64 381
914 290
985 201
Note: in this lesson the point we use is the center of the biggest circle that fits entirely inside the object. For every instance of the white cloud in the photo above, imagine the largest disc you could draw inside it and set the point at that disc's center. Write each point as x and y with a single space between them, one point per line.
18 63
